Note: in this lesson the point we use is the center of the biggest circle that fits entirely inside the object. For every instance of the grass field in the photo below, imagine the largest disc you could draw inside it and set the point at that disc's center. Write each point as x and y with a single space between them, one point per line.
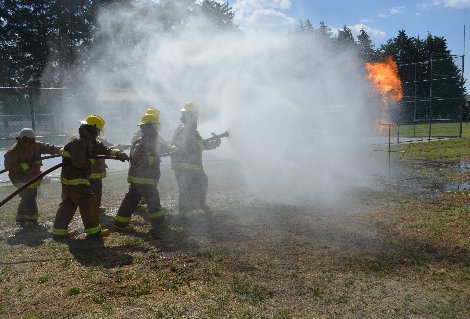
400 249
449 150
437 130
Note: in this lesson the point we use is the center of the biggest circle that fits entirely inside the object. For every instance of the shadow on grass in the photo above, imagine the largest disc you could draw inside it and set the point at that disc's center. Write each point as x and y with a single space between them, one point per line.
93 252
221 226
185 234
31 237
356 243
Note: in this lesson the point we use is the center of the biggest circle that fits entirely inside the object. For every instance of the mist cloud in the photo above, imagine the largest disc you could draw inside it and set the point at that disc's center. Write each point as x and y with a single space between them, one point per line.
297 112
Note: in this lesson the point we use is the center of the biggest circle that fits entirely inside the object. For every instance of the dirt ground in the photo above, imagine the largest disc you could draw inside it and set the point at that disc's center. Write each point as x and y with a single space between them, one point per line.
400 249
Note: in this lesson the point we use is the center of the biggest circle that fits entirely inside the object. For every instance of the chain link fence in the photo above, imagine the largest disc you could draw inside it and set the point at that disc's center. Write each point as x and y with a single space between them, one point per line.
433 101
41 109
36 108
54 114
433 105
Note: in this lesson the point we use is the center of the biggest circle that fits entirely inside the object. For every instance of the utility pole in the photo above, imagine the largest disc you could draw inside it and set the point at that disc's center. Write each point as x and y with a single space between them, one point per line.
32 110
430 96
464 102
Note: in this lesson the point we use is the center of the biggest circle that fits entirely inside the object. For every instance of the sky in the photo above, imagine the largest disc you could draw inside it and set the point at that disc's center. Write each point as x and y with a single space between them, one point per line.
381 19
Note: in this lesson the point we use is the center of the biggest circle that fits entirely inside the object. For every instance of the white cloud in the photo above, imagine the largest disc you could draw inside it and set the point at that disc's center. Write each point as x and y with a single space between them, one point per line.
268 20
460 4
376 35
457 4
366 20
427 5
392 11
258 4
263 15
397 10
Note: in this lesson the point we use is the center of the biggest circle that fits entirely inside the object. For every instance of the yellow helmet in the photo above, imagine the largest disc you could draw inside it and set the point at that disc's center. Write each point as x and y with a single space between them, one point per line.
149 118
152 110
96 120
190 107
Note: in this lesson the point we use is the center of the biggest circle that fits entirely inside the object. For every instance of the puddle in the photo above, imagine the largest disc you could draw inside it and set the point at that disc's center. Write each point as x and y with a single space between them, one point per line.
464 167
454 187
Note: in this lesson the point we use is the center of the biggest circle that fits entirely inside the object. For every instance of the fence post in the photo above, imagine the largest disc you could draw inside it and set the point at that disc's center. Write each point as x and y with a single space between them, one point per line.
430 98
6 127
464 100
414 113
31 106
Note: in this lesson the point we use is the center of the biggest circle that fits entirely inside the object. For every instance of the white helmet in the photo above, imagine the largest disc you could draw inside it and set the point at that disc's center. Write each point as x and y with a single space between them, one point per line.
27 132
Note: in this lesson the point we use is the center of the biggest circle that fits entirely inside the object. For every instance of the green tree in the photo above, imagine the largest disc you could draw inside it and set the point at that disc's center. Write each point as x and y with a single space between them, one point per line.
220 15
429 75
44 36
366 47
345 38
324 32
402 48
304 27
23 40
41 41
446 85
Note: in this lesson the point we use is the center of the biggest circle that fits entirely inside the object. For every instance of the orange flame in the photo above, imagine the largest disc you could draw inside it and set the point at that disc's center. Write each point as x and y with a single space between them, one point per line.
385 77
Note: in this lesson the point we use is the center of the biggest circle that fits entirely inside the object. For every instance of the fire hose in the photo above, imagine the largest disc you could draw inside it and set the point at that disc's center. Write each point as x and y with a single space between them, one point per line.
219 136
38 177
41 159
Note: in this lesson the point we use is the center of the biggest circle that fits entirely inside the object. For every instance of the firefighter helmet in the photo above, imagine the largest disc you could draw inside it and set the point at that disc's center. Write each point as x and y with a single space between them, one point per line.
95 120
152 110
149 119
27 132
190 107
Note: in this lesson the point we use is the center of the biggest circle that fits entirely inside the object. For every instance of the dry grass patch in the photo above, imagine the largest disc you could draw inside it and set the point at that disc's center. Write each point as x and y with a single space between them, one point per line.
390 254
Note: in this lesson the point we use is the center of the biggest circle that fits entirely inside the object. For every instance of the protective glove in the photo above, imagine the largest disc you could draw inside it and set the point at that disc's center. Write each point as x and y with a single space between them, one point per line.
25 166
122 156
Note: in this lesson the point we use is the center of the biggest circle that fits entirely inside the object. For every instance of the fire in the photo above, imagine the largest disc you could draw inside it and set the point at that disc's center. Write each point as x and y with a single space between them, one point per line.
385 77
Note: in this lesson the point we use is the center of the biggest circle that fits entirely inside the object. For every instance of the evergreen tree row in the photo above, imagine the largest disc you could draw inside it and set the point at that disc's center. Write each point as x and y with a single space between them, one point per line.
40 39
52 36
431 77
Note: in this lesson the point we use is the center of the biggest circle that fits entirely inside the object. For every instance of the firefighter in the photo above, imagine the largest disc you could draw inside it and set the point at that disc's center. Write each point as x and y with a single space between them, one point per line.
144 173
186 161
76 190
162 148
162 145
98 169
23 162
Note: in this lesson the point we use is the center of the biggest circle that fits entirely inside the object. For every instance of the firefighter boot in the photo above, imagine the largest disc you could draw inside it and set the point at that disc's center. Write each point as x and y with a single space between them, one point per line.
28 223
68 234
102 233
124 228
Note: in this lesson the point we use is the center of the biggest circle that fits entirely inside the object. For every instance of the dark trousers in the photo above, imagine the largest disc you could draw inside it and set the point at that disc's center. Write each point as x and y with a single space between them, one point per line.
132 199
28 207
97 187
192 187
78 196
